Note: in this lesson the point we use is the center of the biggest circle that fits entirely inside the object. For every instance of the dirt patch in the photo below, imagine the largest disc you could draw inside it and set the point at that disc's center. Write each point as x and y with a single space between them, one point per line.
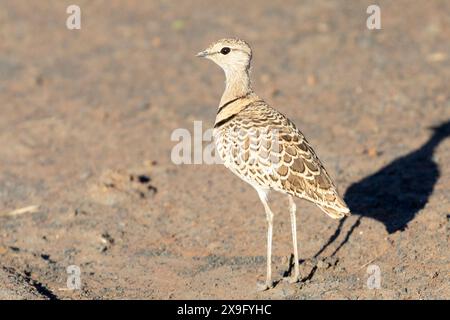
86 177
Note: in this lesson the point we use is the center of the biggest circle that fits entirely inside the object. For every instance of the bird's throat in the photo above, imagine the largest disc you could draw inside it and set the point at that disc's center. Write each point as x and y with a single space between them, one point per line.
237 85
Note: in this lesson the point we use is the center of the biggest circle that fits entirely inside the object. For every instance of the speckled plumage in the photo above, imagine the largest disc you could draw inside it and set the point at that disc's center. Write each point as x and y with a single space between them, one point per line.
264 148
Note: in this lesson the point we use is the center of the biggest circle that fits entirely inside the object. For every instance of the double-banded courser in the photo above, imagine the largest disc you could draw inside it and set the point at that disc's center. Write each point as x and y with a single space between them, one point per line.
264 148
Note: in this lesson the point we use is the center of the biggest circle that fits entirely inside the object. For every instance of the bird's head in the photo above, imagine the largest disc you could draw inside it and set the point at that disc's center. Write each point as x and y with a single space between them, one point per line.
229 54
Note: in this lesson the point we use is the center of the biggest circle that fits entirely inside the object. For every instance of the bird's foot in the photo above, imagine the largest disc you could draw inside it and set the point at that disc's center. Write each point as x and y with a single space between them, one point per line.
291 280
264 285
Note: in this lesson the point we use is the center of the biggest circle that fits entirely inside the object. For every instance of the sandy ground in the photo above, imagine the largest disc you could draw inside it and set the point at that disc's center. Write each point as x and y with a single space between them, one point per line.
85 127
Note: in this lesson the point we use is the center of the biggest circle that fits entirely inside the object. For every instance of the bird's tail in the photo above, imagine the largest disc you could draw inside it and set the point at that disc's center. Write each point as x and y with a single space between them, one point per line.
336 209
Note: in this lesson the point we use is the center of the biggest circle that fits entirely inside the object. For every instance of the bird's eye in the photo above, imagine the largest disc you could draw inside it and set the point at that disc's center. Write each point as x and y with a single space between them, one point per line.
225 50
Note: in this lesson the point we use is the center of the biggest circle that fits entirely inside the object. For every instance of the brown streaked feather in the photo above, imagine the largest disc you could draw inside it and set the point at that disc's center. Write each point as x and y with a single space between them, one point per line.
264 148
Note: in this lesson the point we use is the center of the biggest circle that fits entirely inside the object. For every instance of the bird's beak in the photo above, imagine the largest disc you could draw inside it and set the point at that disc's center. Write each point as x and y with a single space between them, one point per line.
202 54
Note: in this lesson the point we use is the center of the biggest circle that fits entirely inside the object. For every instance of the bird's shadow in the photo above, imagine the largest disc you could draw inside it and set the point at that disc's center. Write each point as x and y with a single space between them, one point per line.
397 192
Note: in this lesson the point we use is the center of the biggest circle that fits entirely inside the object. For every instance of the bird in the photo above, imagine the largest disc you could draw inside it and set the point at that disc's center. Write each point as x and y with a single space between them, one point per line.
265 149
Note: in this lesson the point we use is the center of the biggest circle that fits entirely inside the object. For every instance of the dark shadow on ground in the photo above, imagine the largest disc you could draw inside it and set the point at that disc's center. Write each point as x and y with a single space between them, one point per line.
394 194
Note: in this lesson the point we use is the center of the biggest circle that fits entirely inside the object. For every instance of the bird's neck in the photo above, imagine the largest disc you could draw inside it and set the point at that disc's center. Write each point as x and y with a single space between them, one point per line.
237 84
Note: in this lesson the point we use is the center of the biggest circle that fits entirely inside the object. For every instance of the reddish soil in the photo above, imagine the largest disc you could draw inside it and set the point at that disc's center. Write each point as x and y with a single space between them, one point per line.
85 127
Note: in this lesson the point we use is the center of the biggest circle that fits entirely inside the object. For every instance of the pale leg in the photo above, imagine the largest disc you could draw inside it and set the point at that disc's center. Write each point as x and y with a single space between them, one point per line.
292 211
269 217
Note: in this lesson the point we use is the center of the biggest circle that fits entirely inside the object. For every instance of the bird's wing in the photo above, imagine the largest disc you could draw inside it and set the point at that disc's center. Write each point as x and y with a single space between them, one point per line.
269 149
